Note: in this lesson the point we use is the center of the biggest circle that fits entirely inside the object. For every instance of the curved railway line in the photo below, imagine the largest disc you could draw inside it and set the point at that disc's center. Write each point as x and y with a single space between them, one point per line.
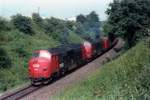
18 94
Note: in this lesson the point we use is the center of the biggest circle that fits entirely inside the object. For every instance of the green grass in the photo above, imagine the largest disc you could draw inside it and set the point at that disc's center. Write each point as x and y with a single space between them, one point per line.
126 78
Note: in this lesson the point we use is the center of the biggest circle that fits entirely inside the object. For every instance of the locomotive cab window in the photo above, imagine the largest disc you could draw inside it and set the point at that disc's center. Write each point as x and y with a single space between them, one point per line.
35 54
45 54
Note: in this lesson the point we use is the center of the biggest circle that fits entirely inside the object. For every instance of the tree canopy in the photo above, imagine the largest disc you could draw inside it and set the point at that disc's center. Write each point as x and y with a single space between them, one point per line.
129 19
22 23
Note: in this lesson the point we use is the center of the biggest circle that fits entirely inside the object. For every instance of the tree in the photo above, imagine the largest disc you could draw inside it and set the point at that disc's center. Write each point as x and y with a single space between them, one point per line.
48 25
37 19
93 17
70 25
4 25
81 18
129 19
58 29
22 23
52 25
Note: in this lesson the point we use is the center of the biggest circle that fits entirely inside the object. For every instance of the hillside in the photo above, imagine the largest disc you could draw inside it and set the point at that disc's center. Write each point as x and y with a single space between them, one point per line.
16 48
126 78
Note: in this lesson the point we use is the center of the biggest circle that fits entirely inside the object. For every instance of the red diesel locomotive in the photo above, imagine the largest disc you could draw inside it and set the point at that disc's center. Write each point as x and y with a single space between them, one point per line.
48 64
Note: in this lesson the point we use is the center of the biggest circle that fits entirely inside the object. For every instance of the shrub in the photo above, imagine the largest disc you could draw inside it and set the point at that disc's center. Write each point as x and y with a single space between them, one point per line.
22 23
5 61
4 25
38 20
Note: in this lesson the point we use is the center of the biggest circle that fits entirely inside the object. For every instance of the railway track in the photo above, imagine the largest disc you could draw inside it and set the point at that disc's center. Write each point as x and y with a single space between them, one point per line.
29 89
20 93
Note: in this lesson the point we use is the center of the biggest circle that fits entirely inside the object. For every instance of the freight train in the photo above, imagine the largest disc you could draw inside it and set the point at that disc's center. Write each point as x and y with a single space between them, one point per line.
45 65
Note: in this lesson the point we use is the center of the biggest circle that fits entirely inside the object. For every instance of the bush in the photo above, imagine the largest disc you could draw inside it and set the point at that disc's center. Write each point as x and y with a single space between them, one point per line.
38 20
20 49
5 61
4 26
23 24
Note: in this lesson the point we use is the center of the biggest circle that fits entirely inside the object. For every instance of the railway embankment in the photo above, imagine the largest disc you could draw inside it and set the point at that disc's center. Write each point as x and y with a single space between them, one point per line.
125 78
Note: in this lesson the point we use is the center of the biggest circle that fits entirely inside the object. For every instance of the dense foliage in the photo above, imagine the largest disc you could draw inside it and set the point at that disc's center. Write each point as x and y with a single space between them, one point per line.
5 61
37 19
129 19
57 29
3 24
22 23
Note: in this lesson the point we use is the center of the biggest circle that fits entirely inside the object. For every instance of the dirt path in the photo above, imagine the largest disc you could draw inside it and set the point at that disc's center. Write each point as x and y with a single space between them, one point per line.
73 78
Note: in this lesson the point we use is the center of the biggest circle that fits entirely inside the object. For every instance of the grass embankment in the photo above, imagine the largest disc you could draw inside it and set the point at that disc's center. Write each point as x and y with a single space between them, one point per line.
18 47
126 78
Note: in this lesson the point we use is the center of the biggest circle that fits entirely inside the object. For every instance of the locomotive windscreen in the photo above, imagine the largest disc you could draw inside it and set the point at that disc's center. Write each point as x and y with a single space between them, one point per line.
35 54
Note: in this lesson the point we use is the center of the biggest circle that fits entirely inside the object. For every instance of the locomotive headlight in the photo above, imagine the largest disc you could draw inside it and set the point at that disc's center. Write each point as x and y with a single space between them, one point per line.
36 65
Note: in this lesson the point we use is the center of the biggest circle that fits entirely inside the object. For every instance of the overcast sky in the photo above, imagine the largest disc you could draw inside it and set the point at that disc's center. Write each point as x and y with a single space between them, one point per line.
56 8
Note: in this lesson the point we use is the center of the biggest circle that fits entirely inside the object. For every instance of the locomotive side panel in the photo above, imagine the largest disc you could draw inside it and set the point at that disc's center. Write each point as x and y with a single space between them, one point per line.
105 43
87 51
55 64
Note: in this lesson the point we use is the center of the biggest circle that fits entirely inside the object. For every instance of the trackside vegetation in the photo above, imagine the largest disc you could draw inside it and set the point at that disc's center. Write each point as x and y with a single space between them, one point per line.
129 19
126 78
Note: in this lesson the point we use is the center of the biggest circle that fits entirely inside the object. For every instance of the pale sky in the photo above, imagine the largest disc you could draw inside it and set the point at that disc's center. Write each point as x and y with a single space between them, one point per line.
56 8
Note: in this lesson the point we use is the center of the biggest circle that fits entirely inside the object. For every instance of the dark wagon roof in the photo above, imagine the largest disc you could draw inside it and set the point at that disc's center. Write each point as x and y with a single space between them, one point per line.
64 48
